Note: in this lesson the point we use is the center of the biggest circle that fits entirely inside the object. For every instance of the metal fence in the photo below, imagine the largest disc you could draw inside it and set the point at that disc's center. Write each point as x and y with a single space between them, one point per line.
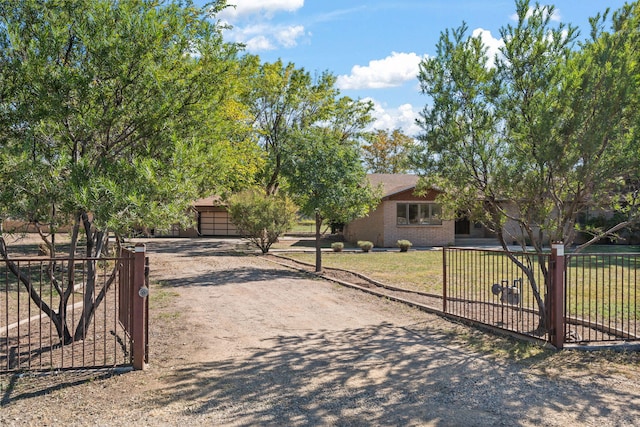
596 302
486 286
42 306
601 297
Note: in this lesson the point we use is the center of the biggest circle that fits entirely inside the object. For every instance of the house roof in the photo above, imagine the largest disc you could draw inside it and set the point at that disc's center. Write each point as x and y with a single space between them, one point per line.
393 183
209 201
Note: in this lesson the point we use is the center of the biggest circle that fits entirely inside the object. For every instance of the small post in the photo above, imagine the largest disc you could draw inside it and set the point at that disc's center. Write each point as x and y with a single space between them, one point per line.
557 295
444 279
140 294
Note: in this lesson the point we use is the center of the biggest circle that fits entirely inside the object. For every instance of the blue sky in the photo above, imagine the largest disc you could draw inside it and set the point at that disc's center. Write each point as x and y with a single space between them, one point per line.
374 46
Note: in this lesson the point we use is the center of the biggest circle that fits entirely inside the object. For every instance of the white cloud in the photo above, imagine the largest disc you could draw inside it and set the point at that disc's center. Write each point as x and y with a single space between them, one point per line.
493 45
259 43
253 7
391 71
263 37
250 22
288 36
403 118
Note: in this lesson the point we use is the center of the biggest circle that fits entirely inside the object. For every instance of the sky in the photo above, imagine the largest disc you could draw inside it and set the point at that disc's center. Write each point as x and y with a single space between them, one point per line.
374 47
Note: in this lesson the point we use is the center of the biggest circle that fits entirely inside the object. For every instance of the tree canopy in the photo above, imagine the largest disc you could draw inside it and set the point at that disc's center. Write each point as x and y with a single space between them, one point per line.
285 101
327 180
107 110
388 151
548 133
551 129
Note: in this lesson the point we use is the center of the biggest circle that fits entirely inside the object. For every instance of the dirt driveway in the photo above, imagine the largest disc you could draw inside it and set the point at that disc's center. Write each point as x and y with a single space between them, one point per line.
238 340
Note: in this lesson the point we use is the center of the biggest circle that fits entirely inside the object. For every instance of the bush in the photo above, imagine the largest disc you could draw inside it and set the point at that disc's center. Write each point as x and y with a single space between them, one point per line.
261 218
337 246
365 245
404 245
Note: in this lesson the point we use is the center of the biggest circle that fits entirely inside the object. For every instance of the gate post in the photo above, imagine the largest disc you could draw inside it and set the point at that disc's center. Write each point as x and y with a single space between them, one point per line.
140 293
557 295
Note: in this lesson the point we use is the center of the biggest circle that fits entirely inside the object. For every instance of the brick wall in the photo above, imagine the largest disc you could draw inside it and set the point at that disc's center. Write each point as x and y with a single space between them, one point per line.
380 227
369 228
419 235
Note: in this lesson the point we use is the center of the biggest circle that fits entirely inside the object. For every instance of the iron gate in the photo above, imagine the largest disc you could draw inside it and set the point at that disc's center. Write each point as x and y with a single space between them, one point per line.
44 300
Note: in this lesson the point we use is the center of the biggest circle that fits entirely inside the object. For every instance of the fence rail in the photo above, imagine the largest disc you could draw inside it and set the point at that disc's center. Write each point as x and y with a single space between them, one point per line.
30 339
601 297
487 287
598 300
45 321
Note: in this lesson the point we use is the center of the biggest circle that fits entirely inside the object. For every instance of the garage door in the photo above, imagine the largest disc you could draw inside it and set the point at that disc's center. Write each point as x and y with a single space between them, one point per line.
216 224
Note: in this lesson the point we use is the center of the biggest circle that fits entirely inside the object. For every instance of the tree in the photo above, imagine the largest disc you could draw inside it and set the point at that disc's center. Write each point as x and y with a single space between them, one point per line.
262 218
285 101
327 179
103 121
387 152
546 135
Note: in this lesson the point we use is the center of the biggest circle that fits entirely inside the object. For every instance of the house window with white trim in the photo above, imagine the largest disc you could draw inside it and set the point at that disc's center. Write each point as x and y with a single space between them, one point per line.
419 214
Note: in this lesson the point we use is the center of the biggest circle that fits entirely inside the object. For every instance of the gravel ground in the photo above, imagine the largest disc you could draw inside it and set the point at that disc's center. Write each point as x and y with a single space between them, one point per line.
238 340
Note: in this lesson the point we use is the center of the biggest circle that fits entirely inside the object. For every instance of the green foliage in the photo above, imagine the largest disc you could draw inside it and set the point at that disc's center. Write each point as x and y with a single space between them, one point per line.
404 245
326 177
539 134
282 100
107 112
534 139
261 218
387 152
365 245
337 246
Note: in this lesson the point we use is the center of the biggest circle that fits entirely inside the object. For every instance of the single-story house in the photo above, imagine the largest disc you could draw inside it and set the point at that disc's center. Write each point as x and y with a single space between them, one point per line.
402 215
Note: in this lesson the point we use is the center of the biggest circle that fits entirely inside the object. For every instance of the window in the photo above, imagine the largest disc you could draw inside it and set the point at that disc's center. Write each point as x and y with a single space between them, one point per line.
419 214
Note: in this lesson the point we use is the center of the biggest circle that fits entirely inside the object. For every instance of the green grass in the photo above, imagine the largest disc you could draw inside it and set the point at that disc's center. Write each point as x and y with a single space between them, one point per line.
415 270
304 226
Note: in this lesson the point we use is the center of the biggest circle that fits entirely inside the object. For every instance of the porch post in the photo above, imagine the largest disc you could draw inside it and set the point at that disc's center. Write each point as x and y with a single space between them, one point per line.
138 328
557 295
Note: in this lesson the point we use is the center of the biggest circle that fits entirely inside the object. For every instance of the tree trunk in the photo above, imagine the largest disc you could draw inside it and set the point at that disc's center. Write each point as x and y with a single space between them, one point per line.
318 249
92 296
543 325
59 318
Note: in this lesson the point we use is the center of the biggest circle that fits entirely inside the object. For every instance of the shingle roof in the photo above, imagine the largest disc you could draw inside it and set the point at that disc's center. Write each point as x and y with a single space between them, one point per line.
393 183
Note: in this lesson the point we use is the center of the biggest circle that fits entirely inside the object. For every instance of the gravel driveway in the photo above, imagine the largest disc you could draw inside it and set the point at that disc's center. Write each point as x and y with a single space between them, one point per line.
238 340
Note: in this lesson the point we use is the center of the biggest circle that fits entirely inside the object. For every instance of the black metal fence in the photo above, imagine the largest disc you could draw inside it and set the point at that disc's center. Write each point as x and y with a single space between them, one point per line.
31 339
598 301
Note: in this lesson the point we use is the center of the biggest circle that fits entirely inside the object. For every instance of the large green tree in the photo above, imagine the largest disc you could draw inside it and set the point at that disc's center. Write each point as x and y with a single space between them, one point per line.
549 133
285 101
327 179
104 107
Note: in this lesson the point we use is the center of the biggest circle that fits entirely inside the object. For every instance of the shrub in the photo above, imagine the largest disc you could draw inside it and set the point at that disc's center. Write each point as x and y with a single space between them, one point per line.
365 245
404 245
260 218
337 246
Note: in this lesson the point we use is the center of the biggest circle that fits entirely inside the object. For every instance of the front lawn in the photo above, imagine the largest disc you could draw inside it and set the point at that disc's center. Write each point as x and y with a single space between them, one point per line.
415 270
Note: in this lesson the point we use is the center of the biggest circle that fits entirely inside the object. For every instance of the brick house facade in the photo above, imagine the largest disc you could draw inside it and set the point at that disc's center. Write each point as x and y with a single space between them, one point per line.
402 215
